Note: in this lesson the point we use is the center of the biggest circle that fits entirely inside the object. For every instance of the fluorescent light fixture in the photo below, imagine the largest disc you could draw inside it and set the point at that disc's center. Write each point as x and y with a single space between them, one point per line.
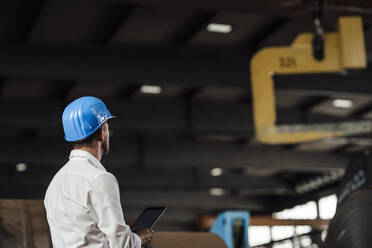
216 172
21 167
216 192
342 103
219 28
150 89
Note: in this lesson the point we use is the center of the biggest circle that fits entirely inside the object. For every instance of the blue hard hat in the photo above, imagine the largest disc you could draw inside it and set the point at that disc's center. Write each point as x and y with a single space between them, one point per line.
82 117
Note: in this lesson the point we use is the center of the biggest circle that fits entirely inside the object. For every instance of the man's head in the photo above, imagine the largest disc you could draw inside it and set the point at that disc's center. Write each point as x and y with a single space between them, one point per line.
101 138
85 123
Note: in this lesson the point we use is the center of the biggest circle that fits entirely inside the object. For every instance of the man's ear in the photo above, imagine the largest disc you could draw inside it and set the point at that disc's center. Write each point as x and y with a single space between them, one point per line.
100 135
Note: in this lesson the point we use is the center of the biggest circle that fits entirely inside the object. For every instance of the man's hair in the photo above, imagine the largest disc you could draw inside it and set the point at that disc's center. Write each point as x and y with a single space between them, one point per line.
87 141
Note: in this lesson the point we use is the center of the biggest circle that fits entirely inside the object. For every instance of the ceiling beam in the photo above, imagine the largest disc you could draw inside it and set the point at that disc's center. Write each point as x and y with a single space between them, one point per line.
183 65
263 7
166 152
173 153
188 199
272 7
146 178
191 66
156 115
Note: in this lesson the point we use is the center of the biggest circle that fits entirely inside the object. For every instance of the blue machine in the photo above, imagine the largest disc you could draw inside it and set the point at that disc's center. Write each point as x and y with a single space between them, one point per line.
232 227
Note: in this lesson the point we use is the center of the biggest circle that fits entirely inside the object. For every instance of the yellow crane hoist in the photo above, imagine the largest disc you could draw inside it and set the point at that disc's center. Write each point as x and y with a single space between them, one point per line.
342 50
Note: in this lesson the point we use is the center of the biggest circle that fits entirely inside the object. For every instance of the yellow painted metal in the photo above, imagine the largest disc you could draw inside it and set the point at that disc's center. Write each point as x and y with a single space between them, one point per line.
353 56
343 50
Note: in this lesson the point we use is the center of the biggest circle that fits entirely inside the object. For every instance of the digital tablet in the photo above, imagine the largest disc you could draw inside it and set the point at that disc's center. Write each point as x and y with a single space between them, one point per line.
148 218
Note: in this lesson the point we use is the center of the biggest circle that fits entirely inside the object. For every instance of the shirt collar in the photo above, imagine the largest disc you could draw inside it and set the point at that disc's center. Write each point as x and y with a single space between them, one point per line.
84 154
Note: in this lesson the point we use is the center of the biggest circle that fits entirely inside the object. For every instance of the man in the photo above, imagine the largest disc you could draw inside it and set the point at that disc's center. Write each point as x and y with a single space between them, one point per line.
83 200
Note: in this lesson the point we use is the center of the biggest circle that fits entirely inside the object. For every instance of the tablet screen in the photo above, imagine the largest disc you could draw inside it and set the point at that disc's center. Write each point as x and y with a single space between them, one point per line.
148 218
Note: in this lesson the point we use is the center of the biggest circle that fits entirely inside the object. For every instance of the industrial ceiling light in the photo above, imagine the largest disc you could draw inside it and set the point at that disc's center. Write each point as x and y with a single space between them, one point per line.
219 28
216 192
150 89
342 103
216 172
21 167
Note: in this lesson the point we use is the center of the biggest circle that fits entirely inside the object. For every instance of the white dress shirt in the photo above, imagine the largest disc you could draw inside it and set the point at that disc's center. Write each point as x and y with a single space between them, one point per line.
83 206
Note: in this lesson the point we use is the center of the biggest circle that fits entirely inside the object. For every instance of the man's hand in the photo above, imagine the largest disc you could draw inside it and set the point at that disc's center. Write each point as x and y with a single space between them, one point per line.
145 235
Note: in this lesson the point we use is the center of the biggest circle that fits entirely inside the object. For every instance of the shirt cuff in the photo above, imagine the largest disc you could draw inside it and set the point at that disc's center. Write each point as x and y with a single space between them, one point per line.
137 240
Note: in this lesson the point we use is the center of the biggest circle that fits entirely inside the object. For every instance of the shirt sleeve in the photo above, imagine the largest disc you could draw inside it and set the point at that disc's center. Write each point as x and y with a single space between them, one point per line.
105 198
